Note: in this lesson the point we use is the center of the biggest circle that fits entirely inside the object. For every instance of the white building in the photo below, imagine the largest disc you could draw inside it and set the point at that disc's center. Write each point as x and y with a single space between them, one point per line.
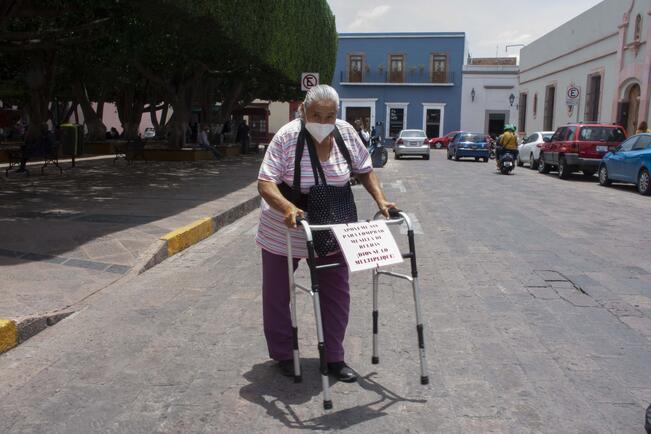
603 53
489 94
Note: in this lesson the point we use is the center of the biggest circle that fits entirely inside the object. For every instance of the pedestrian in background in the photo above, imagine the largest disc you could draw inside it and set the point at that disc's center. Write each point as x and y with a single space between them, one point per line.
202 140
243 137
642 128
319 120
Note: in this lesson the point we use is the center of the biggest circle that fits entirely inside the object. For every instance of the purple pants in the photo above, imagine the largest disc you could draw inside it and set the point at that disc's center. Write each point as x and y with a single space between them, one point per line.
333 295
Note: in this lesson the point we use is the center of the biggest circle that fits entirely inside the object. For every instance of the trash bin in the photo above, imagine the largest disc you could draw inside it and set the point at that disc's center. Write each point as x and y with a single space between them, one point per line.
72 140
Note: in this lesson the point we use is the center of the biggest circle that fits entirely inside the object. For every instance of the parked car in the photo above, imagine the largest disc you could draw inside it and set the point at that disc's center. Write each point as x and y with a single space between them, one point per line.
529 149
630 162
467 144
411 142
149 133
577 147
442 142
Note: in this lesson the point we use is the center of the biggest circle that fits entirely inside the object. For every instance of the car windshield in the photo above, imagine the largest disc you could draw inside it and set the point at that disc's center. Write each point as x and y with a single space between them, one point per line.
472 138
413 133
605 134
547 136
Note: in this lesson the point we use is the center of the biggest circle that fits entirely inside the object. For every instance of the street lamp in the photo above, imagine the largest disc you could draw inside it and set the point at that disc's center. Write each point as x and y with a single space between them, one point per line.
472 94
511 99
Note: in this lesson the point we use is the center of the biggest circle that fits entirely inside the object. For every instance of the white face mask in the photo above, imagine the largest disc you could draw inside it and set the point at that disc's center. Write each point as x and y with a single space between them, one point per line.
319 131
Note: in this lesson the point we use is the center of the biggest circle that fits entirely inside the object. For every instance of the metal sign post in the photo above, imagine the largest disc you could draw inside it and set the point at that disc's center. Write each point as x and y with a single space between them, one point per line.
573 98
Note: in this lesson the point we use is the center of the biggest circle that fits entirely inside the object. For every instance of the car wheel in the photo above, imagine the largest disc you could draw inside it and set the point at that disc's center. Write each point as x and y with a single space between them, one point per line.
396 156
485 159
456 157
519 162
603 176
426 157
542 166
449 156
644 182
476 158
533 164
438 145
563 169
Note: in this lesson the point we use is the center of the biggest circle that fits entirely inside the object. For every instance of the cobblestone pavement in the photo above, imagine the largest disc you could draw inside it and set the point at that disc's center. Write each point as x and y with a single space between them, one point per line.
536 294
64 237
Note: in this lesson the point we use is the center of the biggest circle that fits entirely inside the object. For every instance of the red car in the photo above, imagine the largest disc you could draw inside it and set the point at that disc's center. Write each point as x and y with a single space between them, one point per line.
442 142
575 147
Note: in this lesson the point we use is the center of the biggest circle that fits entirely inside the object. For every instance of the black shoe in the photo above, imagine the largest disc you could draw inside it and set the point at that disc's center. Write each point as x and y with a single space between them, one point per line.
286 367
342 371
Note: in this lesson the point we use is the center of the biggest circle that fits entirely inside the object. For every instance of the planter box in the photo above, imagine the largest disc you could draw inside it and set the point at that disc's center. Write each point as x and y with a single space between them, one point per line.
229 150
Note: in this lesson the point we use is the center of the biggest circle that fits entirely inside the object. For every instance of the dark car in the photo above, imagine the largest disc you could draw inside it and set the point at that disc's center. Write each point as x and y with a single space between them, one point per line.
577 147
630 163
469 145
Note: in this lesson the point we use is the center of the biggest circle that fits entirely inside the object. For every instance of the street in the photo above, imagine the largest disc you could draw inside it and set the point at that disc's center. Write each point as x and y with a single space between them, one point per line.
537 303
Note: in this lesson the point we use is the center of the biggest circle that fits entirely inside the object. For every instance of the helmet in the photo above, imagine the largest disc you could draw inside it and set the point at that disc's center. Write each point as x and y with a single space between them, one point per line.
509 127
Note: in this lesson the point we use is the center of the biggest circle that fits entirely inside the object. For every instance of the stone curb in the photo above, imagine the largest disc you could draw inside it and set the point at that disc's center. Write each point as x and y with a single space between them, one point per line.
186 236
13 332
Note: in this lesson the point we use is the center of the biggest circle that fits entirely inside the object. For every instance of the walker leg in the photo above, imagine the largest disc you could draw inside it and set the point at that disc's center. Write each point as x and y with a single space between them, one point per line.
323 365
424 377
327 402
292 308
375 359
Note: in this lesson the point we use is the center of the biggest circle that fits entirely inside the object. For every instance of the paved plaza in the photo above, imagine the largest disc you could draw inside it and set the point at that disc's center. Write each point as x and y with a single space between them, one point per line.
537 304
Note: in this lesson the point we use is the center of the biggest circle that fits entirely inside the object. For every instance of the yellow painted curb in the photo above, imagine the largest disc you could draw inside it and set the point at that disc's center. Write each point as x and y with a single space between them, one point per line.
8 335
186 236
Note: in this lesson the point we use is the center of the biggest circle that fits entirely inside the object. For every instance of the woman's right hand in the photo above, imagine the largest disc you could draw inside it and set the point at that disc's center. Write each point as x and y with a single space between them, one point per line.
290 215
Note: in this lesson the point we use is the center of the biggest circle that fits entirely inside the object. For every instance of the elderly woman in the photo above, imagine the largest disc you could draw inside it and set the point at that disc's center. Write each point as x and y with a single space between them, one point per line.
279 212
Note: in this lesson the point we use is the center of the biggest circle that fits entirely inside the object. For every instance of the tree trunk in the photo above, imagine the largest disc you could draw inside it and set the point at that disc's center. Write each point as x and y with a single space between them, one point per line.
96 128
230 102
38 78
130 106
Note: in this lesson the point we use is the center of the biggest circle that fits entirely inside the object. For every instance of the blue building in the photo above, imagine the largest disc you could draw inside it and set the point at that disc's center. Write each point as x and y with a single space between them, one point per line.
395 81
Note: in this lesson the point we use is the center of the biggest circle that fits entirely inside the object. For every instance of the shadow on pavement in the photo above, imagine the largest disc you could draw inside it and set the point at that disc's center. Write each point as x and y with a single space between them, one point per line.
278 395
43 216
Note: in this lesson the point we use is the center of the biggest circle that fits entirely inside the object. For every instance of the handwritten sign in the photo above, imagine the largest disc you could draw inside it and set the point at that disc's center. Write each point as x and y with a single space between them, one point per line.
367 245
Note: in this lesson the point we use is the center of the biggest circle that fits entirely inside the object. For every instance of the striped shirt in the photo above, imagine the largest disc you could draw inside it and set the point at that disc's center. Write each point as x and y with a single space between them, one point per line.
278 166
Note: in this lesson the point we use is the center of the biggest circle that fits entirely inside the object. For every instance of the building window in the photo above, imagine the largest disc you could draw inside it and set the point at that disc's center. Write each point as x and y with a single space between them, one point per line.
593 98
396 121
355 65
638 28
535 105
522 113
439 68
550 96
396 68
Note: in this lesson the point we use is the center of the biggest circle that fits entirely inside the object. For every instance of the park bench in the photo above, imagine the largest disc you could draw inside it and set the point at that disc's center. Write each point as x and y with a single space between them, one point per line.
130 151
42 150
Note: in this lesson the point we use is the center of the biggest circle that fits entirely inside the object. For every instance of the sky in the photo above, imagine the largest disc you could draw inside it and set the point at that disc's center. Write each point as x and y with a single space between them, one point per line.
490 25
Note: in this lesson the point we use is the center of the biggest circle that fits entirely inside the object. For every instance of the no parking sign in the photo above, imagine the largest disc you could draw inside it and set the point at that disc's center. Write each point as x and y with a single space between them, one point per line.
309 80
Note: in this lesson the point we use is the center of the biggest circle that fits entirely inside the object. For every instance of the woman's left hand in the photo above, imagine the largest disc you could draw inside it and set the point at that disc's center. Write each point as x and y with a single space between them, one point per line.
384 206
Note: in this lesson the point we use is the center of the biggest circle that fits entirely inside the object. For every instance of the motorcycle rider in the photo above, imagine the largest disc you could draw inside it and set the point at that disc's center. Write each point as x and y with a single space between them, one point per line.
507 142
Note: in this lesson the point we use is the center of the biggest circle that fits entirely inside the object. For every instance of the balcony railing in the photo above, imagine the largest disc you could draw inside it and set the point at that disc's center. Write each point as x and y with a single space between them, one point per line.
413 76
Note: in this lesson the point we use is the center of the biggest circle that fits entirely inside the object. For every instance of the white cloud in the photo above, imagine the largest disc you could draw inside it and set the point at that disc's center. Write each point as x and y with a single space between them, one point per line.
367 19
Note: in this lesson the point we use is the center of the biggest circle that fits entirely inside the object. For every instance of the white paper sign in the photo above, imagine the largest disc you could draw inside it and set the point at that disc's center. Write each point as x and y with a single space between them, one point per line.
367 245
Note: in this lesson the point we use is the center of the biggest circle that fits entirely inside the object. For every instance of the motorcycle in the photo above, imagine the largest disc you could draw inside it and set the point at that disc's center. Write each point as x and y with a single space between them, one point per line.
379 154
506 163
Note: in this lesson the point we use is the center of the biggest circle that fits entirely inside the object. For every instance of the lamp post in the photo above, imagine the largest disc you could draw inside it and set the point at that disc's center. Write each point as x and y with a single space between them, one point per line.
511 99
472 94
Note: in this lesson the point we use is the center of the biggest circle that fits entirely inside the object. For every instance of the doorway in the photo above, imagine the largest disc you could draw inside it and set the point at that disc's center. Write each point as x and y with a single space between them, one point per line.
495 122
633 98
362 114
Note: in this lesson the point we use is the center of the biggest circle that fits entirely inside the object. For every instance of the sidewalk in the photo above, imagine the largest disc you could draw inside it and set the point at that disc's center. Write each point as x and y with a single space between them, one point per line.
66 237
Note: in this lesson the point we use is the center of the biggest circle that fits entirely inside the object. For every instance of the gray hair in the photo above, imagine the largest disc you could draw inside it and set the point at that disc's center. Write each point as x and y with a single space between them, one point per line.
322 92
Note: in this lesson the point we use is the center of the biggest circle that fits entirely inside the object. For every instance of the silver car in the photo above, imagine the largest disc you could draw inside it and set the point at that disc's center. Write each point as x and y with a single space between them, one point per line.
411 142
529 150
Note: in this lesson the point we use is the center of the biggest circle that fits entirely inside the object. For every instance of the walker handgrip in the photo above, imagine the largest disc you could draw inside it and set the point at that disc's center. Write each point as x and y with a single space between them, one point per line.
299 219
394 213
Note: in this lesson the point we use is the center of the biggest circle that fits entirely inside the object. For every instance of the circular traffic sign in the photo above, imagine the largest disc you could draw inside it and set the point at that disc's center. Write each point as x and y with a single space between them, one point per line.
573 92
310 80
